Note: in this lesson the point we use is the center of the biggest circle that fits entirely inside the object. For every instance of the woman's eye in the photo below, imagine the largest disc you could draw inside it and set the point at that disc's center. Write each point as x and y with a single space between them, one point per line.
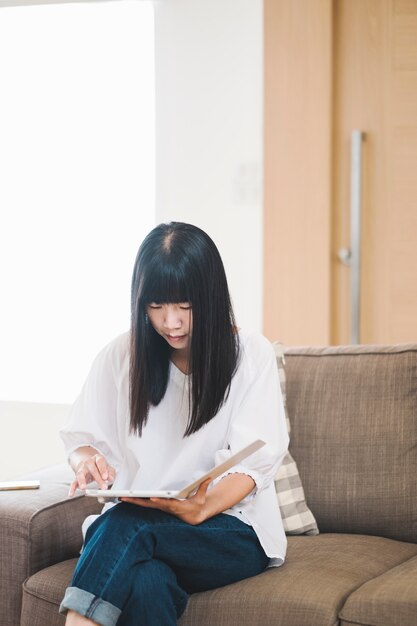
155 306
185 306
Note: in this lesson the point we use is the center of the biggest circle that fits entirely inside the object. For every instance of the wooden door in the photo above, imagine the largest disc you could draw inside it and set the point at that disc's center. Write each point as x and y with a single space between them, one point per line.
297 121
363 53
375 90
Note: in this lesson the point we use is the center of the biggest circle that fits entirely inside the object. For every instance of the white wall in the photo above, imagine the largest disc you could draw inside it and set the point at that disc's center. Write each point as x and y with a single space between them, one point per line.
76 200
209 132
29 437
208 172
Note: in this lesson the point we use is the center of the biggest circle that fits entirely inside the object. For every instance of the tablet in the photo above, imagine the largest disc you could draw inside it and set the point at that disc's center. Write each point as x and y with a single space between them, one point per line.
187 491
114 494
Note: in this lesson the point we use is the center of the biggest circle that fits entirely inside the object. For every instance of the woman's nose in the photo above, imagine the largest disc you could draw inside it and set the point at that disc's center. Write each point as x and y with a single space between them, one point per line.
172 319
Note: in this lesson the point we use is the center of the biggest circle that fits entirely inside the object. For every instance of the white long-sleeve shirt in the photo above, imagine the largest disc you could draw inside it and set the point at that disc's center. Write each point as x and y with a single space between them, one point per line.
162 458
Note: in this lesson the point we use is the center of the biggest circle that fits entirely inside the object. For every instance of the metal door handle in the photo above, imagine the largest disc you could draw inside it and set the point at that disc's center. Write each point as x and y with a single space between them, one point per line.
352 256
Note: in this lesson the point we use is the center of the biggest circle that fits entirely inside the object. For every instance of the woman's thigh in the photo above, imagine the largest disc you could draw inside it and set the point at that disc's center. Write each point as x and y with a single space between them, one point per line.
221 550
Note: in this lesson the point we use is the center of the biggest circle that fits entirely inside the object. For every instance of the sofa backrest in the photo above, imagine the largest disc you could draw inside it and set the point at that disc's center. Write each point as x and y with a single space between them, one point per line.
353 413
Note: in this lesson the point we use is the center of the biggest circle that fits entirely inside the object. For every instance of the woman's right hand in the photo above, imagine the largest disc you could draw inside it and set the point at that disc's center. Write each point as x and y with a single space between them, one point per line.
89 465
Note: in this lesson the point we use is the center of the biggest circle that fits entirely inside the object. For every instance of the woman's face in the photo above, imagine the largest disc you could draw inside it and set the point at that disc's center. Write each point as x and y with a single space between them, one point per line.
174 322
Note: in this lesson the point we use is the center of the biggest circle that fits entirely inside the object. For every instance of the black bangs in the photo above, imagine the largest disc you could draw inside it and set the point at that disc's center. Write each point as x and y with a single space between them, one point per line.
164 282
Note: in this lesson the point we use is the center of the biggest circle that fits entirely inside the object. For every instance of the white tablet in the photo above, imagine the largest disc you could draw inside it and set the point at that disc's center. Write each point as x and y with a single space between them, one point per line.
182 494
114 494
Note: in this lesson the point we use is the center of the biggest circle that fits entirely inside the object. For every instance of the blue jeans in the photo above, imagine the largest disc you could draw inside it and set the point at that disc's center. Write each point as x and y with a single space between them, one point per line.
139 565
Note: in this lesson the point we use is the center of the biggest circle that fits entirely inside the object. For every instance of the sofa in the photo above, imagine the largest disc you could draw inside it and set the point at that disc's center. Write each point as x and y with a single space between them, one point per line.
353 413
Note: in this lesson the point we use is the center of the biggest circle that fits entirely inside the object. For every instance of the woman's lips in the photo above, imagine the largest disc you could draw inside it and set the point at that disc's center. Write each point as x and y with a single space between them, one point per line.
176 337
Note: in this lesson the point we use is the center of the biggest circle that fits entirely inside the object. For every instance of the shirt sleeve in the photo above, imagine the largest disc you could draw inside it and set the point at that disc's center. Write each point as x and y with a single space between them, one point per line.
259 415
92 420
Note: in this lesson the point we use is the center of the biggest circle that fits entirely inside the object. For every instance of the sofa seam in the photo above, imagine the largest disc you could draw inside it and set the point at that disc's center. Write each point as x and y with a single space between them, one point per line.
356 623
37 595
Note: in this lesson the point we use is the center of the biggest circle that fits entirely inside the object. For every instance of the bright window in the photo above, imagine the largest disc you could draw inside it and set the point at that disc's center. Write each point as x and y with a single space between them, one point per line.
77 186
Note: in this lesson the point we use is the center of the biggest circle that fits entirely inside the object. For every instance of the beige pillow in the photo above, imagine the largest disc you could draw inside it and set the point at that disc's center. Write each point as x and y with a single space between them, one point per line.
296 516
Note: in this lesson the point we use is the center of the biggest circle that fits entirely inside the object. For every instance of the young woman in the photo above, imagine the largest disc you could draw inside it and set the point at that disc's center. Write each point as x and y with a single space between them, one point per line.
183 391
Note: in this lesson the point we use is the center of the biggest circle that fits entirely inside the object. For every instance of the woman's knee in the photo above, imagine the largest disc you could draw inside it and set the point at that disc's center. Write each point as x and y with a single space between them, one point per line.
119 517
114 544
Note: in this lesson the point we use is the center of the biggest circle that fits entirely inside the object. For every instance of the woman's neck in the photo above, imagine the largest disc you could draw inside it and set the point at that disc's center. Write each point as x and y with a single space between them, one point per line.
180 360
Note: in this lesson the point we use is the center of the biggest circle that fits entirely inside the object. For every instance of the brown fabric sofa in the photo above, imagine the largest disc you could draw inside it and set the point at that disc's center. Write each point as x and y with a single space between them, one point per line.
353 412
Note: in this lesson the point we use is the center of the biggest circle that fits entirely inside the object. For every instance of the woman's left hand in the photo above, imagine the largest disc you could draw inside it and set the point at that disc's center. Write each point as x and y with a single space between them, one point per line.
192 510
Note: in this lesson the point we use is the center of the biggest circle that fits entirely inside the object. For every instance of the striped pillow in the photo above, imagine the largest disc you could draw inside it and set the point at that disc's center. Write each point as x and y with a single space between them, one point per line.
296 516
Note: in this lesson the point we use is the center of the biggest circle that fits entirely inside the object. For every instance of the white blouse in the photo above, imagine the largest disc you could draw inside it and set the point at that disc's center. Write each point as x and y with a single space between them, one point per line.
163 459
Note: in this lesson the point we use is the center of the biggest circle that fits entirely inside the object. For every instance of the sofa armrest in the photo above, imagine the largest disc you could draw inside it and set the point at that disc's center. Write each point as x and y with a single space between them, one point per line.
38 528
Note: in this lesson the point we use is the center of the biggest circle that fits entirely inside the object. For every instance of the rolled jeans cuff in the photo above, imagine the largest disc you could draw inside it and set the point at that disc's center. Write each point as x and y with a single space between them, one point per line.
90 606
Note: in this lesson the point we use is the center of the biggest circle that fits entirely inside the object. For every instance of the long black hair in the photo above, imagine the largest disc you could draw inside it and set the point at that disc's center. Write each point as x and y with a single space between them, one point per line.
178 262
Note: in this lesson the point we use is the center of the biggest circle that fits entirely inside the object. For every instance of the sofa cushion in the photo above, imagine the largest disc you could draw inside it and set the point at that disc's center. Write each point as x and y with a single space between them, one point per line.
353 416
388 600
296 516
308 590
42 595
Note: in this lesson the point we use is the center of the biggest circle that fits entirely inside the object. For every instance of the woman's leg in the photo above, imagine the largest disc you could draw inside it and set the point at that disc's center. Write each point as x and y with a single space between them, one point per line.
116 567
220 551
140 562
155 598
75 619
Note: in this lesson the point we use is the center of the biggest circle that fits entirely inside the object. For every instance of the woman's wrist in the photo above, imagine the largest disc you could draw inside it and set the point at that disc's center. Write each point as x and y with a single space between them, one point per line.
79 455
231 490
